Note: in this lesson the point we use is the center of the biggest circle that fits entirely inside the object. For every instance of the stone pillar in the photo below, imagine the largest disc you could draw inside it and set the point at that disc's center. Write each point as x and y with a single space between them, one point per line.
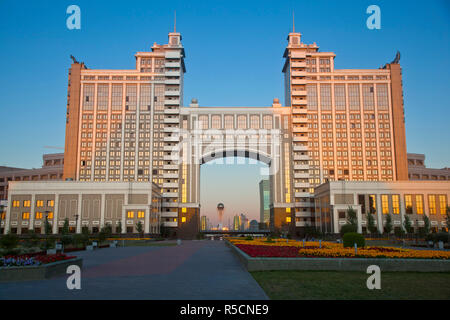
32 213
102 210
78 221
379 213
55 214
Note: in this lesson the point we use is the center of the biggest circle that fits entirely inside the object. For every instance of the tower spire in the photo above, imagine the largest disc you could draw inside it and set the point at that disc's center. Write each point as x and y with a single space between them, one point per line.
293 21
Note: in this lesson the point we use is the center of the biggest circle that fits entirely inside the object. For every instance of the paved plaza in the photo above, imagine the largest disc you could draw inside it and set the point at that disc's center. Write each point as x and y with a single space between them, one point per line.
194 270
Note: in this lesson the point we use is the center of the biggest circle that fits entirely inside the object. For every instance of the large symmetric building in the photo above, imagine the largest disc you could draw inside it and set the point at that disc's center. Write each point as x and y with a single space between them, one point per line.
130 126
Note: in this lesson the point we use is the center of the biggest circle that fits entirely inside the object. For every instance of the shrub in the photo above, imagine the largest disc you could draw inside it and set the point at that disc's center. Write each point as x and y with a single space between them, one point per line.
351 238
441 236
399 232
249 238
9 242
348 228
32 241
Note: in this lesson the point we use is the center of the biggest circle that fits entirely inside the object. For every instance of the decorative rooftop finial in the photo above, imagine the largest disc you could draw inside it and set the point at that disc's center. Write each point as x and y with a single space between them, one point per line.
397 58
73 59
293 21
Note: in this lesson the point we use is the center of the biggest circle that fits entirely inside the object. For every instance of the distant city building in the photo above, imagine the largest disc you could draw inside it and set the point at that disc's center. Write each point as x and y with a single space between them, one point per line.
264 201
244 222
236 222
204 223
52 169
253 226
418 171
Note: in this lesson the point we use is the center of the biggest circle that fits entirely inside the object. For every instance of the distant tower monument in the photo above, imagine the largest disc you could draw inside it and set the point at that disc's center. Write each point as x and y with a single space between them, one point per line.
220 210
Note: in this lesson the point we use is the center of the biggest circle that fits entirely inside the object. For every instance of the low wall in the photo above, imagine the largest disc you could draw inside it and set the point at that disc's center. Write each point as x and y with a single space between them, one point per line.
45 271
339 264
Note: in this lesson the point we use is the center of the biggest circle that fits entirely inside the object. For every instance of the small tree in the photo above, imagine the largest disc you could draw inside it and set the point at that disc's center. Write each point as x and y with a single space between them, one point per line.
371 223
447 219
49 242
65 236
140 228
352 219
388 225
407 225
85 233
32 241
9 243
426 225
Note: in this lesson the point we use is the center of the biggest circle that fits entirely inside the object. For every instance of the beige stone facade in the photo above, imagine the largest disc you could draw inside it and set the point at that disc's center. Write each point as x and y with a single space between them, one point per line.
397 198
418 171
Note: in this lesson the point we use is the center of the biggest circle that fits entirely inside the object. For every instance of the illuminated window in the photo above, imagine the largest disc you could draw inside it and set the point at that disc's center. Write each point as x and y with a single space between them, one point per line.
288 210
184 210
141 214
3 215
372 203
25 215
432 203
40 203
385 203
38 215
50 215
183 219
50 203
27 203
130 214
419 203
288 219
408 203
16 203
443 203
395 204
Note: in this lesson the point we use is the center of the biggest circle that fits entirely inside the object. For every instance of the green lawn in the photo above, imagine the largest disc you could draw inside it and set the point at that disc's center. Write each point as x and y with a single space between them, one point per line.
299 285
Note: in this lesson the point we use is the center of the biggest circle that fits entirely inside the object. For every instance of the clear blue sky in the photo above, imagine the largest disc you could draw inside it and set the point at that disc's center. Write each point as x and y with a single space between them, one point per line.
234 57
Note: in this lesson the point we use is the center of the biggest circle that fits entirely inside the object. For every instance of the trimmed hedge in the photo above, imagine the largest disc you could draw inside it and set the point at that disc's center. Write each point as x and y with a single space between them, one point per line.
348 228
351 238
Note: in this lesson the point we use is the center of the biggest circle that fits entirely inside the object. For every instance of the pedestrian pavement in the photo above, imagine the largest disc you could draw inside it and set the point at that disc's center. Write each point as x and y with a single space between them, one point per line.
194 270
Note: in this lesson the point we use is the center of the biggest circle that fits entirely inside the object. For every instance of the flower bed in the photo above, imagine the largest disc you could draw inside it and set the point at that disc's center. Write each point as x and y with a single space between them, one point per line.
35 260
292 248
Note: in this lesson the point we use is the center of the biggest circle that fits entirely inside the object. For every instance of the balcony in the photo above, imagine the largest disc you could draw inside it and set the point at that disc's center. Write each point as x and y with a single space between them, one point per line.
172 139
173 54
170 194
297 110
300 148
170 175
172 93
302 195
171 129
171 120
172 81
170 148
298 81
299 120
302 102
305 204
172 111
298 64
173 65
301 185
298 92
300 139
169 205
300 129
306 214
170 185
301 157
301 166
172 157
172 102
298 73
300 223
170 224
301 175
170 167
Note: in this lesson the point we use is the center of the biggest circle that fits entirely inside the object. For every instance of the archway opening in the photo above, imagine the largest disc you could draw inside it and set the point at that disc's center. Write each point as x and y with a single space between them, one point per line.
231 197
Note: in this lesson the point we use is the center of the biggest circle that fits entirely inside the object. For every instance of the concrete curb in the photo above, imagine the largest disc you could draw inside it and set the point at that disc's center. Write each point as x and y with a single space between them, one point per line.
339 264
45 271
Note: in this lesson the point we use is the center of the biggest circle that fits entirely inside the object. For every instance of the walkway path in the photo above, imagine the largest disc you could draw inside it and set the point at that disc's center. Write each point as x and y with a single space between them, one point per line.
194 270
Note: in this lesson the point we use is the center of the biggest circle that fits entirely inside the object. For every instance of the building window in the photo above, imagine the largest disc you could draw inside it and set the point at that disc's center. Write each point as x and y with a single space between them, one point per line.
288 219
408 203
25 215
183 219
38 215
26 203
16 203
40 203
385 203
130 214
372 203
432 203
141 214
419 204
395 204
443 204
50 203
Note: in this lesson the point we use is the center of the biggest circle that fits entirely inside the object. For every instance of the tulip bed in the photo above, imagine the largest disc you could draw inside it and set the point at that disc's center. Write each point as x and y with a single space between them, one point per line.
36 260
292 248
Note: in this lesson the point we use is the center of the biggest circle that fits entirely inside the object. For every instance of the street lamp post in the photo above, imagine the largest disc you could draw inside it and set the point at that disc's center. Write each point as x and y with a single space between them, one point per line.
76 222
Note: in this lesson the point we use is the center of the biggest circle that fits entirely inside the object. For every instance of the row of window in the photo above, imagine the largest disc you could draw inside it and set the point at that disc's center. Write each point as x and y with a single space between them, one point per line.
27 203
